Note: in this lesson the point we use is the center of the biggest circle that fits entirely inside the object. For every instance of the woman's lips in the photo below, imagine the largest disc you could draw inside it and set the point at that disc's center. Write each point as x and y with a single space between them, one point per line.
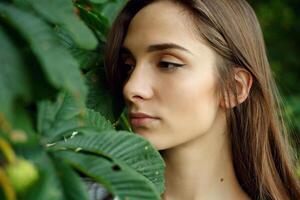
141 121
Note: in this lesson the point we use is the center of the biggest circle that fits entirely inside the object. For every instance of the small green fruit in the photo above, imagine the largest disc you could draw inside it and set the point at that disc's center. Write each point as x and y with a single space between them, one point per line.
22 174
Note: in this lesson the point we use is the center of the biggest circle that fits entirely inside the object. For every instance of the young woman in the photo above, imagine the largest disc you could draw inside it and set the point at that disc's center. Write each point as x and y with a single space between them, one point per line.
197 84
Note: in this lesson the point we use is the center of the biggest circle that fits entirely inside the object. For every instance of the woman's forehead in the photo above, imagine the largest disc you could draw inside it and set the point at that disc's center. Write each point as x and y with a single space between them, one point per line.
162 14
161 22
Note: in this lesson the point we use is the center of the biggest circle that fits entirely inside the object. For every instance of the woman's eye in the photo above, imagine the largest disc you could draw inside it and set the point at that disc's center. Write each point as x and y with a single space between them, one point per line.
128 68
169 65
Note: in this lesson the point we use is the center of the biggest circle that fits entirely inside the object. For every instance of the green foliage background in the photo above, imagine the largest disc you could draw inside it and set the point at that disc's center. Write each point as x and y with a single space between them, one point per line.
280 21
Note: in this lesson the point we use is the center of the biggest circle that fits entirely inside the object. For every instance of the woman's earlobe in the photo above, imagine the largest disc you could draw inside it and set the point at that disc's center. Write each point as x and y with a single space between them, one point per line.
243 83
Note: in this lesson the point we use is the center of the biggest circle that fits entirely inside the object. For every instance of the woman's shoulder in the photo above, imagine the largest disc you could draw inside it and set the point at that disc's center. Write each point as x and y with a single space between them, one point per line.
96 191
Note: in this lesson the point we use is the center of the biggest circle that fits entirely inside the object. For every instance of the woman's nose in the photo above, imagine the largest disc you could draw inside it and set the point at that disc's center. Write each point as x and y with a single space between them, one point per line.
139 84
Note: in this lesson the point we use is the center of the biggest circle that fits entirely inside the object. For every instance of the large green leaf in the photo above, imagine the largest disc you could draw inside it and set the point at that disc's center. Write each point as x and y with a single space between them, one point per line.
100 1
59 115
119 179
96 120
57 180
123 147
61 13
99 97
87 59
64 116
123 122
98 23
111 10
72 184
14 81
61 68
48 186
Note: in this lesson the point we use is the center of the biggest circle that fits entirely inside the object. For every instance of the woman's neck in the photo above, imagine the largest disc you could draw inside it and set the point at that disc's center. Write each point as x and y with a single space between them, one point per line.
202 169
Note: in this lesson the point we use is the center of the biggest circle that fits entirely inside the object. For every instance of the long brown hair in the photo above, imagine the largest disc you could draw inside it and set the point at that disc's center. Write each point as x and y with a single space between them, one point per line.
261 150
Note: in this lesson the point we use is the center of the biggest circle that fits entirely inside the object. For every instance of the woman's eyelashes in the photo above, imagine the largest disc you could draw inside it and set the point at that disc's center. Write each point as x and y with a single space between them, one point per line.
169 65
164 65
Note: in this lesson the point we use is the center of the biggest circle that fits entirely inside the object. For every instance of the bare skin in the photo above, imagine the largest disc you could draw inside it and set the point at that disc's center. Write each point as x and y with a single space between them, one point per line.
190 123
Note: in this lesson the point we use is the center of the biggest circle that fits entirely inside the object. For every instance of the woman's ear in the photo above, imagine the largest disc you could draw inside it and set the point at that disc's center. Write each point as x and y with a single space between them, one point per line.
243 82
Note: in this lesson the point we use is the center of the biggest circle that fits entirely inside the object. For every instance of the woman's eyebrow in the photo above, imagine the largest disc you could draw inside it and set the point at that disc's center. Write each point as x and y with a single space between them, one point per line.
164 46
157 47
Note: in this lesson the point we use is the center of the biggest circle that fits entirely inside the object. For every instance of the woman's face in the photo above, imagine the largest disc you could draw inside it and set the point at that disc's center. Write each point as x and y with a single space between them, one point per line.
173 77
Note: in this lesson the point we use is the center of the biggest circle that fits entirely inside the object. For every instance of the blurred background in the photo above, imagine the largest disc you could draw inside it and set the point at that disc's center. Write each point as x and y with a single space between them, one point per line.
280 22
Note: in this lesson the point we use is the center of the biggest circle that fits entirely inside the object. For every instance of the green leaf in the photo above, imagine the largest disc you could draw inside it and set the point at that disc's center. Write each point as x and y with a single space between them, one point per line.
60 67
98 1
87 59
98 23
62 110
61 13
72 184
23 131
99 97
48 186
111 10
123 123
96 120
14 81
64 116
119 179
123 147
